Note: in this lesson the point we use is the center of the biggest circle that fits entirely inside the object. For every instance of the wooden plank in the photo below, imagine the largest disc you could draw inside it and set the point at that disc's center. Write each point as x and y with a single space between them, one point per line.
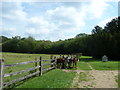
16 64
20 72
19 79
1 73
48 69
10 65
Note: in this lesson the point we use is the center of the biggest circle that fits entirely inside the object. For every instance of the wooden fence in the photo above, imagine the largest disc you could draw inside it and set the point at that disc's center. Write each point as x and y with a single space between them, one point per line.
2 75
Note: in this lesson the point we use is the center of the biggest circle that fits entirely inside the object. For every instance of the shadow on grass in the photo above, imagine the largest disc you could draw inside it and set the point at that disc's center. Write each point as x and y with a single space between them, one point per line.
93 59
89 59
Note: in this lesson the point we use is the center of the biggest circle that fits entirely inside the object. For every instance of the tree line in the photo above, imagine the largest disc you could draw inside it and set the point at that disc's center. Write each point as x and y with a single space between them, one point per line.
102 41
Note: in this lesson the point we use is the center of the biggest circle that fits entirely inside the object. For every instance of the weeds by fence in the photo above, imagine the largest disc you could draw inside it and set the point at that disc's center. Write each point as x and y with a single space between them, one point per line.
37 70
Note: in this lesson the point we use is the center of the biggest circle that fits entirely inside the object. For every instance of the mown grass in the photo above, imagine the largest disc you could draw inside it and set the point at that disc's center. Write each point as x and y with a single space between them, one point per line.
97 64
53 79
86 57
83 66
11 58
110 65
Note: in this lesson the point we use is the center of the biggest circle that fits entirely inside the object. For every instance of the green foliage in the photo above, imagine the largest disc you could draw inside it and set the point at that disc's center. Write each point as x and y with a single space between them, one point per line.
106 41
53 79
80 35
112 26
3 39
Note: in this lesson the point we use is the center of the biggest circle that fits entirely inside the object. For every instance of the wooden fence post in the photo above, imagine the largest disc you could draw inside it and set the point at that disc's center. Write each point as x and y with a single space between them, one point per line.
1 73
55 62
40 69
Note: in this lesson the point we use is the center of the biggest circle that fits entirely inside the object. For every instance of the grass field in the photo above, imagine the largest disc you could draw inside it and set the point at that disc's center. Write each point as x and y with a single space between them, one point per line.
83 66
12 58
111 65
53 79
97 64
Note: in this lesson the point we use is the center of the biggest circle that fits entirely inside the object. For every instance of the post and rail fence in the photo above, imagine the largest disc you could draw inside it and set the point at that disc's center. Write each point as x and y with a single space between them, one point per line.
2 75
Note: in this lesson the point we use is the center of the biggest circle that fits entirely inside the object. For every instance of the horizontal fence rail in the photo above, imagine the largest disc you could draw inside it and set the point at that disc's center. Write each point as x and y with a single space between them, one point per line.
37 66
16 73
11 65
48 69
16 64
31 69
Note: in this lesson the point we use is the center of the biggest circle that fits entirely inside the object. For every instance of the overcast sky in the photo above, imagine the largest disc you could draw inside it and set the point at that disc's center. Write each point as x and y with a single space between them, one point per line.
55 20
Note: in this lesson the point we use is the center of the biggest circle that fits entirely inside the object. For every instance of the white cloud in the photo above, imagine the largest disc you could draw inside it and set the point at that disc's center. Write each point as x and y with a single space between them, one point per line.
56 0
56 23
69 15
61 22
66 17
94 8
97 7
8 31
13 11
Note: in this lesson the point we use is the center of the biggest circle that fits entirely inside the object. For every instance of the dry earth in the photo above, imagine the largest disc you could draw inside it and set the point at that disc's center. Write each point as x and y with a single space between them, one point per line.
99 79
95 79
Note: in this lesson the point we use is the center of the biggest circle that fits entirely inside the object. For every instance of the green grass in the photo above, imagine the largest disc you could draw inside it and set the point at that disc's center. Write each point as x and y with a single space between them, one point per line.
53 79
110 65
97 64
11 58
119 81
86 57
83 66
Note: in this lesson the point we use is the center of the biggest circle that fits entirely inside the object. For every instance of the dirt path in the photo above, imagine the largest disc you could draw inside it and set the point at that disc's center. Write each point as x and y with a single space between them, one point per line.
100 79
95 78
